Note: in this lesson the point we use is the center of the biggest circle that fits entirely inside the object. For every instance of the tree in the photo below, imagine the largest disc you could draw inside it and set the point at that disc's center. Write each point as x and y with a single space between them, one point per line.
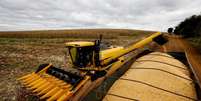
190 27
170 30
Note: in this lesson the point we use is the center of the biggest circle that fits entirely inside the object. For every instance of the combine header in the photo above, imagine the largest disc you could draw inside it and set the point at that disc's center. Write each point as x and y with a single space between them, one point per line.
89 66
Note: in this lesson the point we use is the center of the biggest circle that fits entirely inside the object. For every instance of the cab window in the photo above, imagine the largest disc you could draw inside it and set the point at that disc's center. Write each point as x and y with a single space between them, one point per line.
81 56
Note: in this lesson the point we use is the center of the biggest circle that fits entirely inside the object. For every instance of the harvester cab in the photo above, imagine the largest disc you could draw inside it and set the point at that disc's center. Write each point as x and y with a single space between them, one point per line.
81 53
85 54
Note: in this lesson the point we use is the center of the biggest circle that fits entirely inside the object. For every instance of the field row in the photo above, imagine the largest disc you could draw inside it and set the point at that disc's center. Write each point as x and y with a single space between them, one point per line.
81 33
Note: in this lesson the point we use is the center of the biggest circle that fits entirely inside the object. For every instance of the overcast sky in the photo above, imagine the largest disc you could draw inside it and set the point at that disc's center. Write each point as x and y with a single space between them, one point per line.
134 14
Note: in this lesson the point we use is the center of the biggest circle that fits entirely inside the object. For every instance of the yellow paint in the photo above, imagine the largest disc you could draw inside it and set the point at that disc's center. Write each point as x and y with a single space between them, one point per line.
133 47
50 93
44 85
26 76
65 96
34 82
56 95
73 52
110 52
30 79
39 84
79 44
45 90
45 69
116 65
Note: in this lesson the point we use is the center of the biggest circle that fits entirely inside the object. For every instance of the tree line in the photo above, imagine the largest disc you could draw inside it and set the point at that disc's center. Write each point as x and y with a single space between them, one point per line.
190 27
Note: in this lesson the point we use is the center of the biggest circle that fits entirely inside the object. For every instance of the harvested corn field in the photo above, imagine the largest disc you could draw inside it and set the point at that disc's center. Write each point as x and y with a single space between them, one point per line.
20 55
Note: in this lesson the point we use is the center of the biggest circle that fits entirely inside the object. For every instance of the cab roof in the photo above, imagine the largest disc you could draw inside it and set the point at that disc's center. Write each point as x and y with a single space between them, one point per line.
79 44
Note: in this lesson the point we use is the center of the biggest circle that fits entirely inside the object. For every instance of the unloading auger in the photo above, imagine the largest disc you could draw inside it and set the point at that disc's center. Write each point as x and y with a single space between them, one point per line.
89 65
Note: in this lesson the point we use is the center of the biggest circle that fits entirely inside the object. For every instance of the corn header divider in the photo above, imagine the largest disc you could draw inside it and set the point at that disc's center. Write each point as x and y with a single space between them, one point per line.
90 66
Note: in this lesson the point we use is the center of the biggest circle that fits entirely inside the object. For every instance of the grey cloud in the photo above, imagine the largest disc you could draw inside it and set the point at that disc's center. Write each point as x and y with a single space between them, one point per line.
135 14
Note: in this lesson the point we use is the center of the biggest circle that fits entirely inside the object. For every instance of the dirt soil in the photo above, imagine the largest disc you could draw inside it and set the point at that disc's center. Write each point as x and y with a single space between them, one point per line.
20 56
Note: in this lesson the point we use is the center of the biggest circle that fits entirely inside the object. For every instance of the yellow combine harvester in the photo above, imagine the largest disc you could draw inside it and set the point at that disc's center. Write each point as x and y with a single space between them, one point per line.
90 65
